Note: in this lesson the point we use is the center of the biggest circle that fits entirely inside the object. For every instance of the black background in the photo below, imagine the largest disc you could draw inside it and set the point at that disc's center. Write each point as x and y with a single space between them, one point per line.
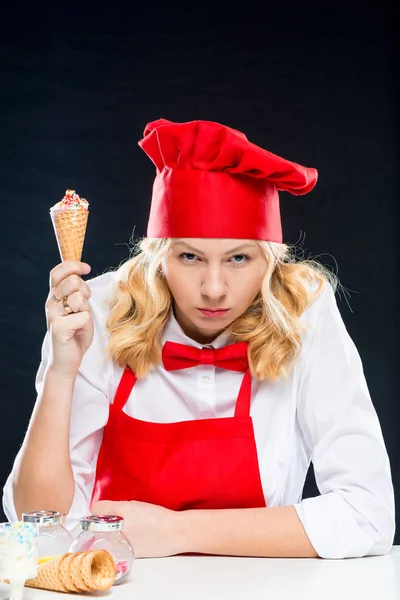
315 83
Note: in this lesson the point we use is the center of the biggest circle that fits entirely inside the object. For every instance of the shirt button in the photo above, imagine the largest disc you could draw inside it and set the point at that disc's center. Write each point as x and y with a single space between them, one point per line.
206 378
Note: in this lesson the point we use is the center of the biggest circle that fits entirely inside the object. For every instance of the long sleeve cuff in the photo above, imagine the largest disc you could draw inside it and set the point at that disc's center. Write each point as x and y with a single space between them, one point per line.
337 530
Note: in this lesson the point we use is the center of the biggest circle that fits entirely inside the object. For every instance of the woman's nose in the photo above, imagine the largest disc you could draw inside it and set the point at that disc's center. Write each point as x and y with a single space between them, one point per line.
213 285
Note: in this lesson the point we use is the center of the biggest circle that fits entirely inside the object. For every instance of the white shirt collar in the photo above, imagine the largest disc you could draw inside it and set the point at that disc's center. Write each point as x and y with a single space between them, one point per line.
174 333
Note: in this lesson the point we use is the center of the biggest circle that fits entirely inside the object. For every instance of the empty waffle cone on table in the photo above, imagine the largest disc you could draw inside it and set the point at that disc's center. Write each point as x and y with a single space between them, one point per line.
78 572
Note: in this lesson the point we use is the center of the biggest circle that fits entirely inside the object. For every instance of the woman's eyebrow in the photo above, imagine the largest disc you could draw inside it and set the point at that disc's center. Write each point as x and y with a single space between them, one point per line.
247 245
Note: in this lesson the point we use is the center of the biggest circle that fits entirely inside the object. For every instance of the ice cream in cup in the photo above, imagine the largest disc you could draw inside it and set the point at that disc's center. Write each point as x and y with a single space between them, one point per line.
69 217
18 555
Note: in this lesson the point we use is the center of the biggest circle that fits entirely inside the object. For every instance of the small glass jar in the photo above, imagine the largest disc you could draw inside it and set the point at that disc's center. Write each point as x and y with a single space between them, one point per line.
104 532
54 539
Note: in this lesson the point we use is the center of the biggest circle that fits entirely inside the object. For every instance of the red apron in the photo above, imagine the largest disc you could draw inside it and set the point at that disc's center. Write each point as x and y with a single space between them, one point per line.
203 464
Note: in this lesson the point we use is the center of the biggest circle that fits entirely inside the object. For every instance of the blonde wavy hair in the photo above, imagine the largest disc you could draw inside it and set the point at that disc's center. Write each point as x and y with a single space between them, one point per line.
141 303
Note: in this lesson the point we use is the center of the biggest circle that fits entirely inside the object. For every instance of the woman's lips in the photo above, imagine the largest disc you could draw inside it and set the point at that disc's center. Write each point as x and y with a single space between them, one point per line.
213 314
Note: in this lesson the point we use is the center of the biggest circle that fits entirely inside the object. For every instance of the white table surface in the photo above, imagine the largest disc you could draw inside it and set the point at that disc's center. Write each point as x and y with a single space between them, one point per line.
211 577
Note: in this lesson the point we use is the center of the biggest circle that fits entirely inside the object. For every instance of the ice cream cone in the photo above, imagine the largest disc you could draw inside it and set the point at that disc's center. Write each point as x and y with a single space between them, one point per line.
77 572
65 572
47 576
70 228
97 569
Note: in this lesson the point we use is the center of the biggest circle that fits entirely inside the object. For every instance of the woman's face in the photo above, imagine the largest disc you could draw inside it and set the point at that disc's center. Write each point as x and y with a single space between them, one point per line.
208 274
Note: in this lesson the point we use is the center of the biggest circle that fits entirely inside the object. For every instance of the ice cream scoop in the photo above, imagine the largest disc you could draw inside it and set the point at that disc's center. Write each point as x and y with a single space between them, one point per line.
18 555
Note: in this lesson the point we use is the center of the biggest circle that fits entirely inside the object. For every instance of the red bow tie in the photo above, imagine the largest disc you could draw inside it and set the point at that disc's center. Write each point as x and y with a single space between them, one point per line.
178 356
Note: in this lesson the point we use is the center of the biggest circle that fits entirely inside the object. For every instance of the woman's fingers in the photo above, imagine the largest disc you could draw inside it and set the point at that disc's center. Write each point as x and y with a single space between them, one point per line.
71 285
65 280
65 269
77 302
65 330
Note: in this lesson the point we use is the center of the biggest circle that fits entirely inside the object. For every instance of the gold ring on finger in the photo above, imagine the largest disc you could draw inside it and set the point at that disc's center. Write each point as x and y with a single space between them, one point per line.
68 309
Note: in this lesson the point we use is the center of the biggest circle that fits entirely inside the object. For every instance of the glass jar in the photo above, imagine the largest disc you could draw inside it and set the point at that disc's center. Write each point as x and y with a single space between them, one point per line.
54 539
104 532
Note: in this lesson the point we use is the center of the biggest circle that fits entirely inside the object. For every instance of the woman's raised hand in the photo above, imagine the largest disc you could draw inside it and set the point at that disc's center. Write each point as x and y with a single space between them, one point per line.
71 334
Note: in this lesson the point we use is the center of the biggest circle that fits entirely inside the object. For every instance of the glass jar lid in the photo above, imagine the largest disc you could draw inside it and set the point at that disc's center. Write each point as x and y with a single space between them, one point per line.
102 523
44 518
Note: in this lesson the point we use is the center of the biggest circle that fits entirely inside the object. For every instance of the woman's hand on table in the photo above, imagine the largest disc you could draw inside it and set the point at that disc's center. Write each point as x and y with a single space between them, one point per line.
152 530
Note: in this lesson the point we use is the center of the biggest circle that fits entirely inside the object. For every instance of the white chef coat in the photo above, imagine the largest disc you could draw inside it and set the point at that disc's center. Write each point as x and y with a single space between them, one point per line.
321 412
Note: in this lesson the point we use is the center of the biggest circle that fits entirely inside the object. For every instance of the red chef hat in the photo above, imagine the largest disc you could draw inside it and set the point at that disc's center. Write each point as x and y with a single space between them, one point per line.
211 182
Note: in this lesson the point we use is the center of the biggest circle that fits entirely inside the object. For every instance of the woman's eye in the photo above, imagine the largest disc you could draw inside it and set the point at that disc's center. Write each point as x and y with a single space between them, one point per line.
187 256
243 256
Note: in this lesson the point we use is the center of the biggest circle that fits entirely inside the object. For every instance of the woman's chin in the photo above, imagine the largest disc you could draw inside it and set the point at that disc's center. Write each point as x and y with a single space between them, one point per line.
212 324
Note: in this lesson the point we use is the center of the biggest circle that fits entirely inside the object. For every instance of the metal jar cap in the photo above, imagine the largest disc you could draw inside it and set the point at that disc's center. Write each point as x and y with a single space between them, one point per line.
102 523
44 518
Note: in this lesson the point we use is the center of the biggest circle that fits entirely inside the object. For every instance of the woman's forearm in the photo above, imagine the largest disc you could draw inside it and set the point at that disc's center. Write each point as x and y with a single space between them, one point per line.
43 478
268 532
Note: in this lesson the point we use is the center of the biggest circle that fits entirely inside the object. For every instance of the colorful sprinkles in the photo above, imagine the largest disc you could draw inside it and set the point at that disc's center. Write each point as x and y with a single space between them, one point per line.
19 533
71 201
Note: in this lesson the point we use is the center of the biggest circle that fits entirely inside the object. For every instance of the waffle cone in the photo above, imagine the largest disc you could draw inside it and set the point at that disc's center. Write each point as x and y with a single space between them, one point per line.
97 569
65 572
70 228
77 572
47 576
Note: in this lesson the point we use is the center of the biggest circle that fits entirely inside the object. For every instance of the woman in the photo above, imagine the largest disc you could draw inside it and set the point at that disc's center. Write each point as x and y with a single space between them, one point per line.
145 390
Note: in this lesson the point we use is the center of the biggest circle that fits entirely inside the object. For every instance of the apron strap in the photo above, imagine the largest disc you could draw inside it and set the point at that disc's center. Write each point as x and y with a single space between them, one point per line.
125 386
129 379
243 401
